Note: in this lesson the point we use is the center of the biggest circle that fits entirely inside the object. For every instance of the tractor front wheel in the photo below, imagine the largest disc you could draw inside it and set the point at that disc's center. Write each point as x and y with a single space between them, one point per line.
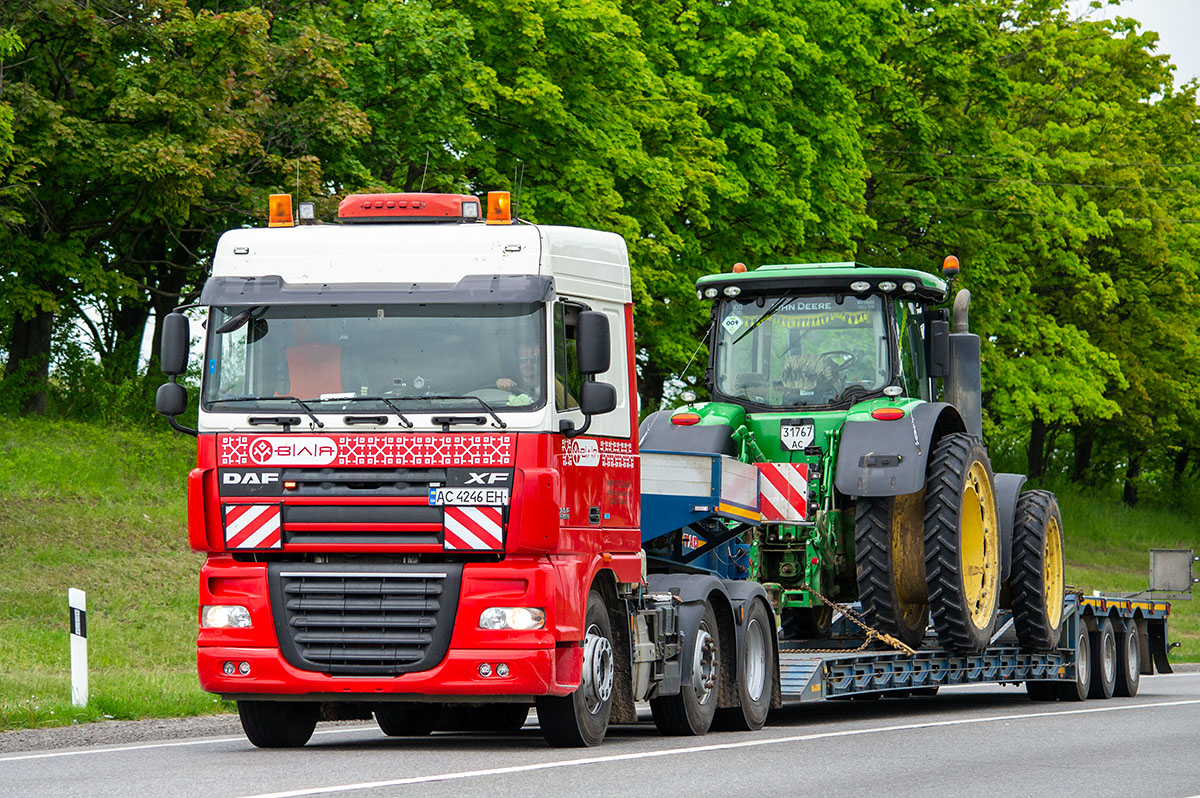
1037 582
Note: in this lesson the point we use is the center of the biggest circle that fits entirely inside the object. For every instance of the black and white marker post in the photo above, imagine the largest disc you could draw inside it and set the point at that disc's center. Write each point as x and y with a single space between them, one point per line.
77 600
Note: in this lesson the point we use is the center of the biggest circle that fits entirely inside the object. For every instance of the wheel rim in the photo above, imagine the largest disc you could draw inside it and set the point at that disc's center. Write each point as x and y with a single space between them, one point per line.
1083 658
1053 579
704 666
597 670
1133 656
978 546
755 675
1109 661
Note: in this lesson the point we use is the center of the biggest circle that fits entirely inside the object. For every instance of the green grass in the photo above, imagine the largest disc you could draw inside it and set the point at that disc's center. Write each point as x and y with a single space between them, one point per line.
103 509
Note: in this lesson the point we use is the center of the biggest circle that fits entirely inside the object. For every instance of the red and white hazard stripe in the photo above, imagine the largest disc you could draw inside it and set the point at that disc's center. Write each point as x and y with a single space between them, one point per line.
783 492
473 528
252 526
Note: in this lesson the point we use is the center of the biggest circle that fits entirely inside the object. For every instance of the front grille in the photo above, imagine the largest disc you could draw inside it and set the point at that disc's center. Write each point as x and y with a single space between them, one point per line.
364 619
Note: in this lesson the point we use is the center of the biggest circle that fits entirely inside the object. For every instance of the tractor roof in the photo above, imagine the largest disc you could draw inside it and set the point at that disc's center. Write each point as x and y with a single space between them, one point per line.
844 277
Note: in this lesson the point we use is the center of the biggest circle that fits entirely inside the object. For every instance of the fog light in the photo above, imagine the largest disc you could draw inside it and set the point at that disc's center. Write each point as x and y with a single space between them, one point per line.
244 668
520 618
859 286
224 616
909 287
485 670
228 668
502 669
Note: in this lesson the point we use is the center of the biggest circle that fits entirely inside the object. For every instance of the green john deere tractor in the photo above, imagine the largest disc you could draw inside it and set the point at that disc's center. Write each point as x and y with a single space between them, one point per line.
875 486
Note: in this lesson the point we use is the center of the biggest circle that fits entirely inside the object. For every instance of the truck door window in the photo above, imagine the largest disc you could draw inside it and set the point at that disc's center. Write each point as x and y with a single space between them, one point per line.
567 378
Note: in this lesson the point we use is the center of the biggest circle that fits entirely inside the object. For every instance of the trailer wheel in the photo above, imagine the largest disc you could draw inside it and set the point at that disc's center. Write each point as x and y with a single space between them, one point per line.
278 724
1129 661
1078 689
580 719
889 556
1037 582
691 712
962 543
407 720
1041 691
1104 660
757 682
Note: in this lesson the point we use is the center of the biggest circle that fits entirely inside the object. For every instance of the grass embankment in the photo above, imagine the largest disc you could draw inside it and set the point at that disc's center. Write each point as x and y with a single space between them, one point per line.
103 510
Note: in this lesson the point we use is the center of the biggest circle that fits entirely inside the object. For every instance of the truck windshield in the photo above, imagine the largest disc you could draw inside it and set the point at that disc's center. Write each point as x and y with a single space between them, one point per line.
433 357
801 351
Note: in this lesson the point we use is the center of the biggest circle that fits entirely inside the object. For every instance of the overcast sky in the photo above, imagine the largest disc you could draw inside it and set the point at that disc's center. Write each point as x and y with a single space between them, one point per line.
1177 23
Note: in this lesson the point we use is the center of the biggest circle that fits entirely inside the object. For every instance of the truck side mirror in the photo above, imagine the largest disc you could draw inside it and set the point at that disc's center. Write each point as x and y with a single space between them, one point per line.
939 348
171 399
176 340
592 342
597 398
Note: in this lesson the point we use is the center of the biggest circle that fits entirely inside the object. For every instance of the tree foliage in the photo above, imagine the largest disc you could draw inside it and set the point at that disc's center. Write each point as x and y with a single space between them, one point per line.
1055 155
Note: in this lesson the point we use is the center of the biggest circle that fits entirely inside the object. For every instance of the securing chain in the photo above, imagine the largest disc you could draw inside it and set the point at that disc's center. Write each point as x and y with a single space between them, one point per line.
872 633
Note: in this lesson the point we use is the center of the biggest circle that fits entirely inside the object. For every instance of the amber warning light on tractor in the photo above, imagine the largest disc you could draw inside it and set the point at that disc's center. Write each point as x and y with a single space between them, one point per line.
950 265
279 207
410 207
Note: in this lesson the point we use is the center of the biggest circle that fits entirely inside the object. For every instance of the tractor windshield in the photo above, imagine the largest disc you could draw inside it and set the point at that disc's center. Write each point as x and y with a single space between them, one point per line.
801 351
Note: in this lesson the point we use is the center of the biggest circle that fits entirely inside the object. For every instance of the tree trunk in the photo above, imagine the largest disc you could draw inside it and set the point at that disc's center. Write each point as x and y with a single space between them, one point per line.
1037 448
28 369
1181 464
1084 444
1132 472
129 326
651 386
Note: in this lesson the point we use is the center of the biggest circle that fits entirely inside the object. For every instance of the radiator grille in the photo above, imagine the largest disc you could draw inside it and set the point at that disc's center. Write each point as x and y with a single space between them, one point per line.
364 620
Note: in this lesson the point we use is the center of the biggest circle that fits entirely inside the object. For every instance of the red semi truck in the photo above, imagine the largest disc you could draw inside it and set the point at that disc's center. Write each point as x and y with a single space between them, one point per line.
418 486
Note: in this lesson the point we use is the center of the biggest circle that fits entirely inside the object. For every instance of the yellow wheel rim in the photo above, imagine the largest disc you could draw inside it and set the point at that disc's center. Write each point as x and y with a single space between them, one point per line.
1053 579
979 546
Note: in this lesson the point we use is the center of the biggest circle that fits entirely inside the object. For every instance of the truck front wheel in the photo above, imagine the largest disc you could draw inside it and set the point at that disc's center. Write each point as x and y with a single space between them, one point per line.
580 719
278 724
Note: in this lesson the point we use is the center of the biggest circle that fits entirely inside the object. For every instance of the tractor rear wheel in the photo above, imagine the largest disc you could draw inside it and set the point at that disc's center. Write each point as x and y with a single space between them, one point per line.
1037 582
962 543
889 555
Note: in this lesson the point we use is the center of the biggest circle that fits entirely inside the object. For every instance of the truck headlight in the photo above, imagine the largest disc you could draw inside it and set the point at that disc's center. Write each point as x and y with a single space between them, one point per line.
521 618
224 616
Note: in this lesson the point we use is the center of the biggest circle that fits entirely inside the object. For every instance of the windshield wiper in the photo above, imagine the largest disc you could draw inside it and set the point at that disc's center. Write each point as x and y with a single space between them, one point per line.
303 406
782 301
499 422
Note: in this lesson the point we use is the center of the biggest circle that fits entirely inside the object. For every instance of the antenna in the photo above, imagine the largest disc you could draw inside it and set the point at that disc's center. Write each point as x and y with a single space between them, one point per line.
297 180
518 181
426 170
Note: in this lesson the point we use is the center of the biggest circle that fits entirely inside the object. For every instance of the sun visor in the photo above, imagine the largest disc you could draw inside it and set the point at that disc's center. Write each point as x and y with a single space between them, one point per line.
507 289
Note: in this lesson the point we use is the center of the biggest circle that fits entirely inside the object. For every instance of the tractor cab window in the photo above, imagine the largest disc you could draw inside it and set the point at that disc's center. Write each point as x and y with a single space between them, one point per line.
910 321
802 350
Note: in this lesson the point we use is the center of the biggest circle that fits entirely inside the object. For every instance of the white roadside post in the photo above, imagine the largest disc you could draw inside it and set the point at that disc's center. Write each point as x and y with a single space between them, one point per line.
77 600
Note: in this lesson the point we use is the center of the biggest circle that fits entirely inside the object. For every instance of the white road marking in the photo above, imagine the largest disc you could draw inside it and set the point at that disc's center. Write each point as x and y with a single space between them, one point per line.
698 749
176 744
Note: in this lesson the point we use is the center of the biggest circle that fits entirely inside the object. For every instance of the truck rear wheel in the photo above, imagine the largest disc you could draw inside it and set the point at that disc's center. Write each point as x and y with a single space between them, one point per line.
889 555
1104 660
408 720
1129 660
1037 581
757 682
962 543
580 719
278 724
691 712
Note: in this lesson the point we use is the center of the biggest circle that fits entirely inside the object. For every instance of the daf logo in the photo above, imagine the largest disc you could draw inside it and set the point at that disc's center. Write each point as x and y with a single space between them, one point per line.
249 478
486 478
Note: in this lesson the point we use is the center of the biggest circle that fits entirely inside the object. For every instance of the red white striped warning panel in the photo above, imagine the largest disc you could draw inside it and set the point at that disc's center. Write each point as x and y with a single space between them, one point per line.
253 526
783 492
473 528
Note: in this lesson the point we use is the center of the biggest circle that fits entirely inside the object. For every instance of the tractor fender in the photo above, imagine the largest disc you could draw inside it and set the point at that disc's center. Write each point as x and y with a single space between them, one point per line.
888 458
1008 490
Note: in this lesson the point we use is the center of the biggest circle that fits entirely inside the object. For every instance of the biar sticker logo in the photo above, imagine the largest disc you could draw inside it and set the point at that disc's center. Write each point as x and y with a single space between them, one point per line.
578 452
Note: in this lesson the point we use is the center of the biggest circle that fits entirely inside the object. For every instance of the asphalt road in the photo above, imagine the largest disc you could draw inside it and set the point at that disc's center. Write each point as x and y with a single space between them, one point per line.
977 741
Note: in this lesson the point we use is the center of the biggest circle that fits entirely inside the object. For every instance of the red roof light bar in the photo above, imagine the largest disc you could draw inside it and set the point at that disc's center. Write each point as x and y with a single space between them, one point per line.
411 207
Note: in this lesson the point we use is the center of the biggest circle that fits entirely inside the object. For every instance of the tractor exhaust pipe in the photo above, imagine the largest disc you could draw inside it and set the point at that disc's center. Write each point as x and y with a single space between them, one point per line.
964 385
